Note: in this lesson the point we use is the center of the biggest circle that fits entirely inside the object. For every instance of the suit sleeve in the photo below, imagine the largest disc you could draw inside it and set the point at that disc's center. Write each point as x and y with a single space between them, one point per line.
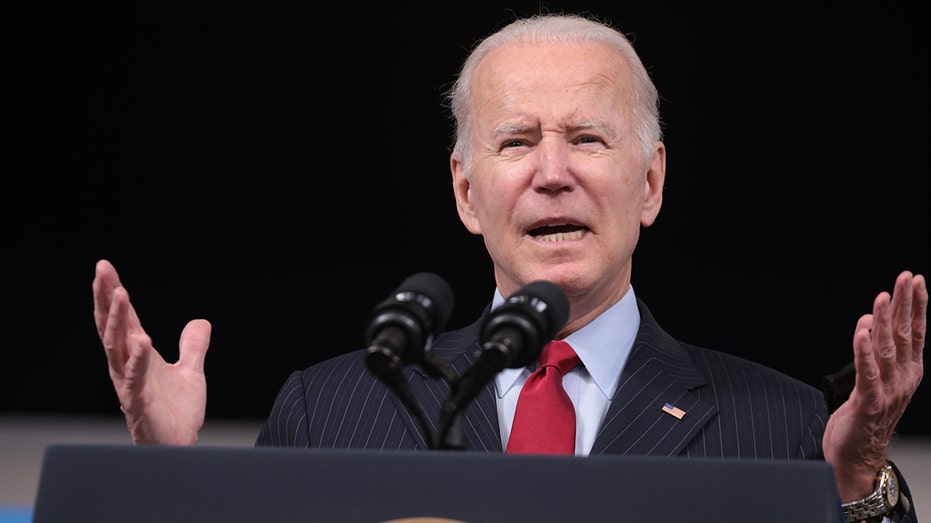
286 425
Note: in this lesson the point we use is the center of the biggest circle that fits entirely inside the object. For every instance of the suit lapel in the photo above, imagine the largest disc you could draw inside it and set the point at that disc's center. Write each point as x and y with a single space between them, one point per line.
657 372
478 422
479 419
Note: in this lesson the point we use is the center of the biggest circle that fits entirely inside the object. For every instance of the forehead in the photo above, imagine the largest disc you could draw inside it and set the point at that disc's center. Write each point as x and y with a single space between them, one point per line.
558 77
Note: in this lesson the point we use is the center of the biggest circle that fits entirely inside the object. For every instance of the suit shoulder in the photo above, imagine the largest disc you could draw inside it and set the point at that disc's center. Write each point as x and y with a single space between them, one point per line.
723 367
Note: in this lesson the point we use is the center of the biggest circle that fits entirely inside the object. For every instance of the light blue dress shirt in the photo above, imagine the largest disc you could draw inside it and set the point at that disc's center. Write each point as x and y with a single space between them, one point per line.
603 346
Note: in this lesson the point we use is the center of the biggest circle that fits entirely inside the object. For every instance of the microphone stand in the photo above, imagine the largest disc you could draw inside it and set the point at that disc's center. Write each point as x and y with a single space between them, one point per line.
449 435
390 373
492 359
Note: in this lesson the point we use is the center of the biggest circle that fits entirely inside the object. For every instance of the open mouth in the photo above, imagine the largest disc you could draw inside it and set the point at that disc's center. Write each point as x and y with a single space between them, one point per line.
558 233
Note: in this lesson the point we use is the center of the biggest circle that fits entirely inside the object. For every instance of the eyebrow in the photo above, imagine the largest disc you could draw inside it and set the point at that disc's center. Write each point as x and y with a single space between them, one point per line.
600 125
508 130
514 129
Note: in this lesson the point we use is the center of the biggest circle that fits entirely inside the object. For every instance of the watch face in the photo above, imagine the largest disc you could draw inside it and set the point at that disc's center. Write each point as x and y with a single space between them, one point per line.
892 490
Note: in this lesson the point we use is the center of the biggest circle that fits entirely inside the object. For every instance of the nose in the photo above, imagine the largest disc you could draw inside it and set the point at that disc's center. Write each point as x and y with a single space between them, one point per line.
552 170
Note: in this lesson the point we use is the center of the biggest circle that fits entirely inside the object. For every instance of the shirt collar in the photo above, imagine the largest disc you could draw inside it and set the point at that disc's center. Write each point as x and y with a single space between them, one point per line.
603 345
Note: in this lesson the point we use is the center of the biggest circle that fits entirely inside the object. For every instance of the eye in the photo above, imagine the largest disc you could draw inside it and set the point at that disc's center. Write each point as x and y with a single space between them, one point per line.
513 143
589 139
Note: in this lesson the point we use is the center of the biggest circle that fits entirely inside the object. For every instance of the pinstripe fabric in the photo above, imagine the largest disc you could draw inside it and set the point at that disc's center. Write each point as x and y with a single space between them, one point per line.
734 408
338 403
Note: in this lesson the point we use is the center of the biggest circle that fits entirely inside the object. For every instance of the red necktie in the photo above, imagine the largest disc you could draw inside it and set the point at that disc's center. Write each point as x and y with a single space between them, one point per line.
544 422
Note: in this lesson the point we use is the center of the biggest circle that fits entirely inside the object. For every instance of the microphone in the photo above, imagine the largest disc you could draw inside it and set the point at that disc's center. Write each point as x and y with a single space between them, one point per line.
512 336
400 326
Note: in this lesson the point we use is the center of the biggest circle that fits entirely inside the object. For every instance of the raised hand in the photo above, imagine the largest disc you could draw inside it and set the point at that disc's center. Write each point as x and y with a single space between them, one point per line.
888 350
163 403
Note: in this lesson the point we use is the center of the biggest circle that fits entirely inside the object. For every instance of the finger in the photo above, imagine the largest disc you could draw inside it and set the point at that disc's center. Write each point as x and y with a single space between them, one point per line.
882 336
192 347
864 359
115 333
919 317
901 308
105 281
139 347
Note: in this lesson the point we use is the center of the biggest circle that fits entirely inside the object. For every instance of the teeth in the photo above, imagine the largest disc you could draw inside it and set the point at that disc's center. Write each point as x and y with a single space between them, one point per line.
560 236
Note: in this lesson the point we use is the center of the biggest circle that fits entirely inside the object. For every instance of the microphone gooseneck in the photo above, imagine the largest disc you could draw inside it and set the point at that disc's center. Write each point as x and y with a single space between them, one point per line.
399 330
512 336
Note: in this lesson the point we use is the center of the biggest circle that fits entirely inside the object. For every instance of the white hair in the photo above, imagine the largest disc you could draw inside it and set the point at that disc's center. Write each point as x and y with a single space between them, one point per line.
557 28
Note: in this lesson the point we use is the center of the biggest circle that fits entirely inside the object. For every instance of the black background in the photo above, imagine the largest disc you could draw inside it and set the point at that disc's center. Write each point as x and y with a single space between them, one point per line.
279 170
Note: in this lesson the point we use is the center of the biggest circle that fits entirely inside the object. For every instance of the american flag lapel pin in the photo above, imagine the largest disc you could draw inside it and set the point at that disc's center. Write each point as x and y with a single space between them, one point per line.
671 409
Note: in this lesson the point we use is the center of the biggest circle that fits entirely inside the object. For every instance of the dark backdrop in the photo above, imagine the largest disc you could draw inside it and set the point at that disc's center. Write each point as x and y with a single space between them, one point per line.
280 170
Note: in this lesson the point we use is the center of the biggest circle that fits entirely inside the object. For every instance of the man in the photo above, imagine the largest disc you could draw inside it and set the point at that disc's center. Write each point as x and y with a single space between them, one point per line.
558 163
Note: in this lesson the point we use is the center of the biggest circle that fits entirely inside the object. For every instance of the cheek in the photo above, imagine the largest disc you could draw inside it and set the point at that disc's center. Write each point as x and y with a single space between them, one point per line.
490 202
631 191
626 207
494 218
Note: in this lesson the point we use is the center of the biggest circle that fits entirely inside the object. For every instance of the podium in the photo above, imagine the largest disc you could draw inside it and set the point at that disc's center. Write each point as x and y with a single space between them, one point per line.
141 484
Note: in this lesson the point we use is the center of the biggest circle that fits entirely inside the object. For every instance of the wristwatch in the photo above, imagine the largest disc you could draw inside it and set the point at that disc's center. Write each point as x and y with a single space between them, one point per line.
880 503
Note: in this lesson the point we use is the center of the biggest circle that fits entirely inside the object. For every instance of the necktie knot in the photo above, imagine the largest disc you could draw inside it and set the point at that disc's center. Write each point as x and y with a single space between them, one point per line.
559 354
544 421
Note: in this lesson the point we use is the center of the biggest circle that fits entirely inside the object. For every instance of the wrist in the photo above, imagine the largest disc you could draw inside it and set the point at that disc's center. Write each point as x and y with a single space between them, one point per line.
882 501
856 481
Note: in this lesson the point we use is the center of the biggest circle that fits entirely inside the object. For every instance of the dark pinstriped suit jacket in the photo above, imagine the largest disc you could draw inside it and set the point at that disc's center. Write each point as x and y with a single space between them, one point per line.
735 408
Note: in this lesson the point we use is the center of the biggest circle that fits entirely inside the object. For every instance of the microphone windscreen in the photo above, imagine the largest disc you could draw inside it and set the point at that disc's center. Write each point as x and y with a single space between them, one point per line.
555 304
439 296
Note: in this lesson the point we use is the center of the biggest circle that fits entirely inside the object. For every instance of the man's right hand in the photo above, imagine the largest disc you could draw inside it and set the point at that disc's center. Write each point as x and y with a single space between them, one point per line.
163 403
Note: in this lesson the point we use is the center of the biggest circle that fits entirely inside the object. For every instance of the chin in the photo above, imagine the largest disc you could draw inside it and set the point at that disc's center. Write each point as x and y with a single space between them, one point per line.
570 277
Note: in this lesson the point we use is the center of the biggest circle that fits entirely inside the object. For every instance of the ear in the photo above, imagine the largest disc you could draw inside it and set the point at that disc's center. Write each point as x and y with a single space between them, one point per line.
462 188
653 185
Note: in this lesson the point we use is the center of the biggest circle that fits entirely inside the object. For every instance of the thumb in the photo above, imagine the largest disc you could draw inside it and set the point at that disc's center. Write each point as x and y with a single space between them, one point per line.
192 347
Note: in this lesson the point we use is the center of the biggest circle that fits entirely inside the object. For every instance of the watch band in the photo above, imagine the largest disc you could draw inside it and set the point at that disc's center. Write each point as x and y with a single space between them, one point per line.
880 503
